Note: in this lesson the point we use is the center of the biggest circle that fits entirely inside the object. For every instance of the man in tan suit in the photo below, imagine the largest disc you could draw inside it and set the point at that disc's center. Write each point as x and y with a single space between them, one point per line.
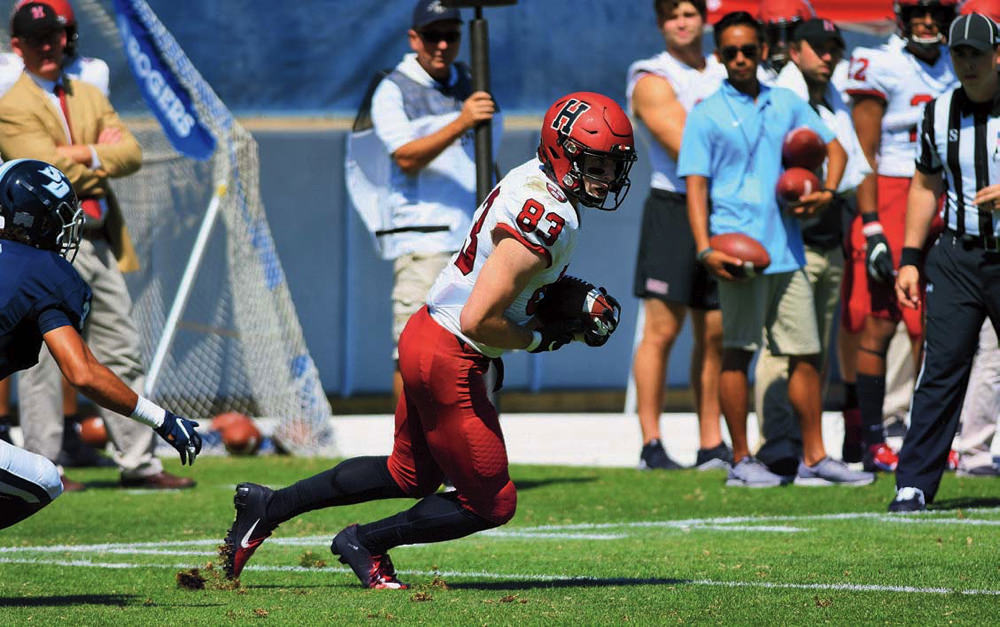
71 124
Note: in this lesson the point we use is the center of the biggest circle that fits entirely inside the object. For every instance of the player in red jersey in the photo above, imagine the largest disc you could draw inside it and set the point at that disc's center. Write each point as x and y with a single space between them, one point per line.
482 305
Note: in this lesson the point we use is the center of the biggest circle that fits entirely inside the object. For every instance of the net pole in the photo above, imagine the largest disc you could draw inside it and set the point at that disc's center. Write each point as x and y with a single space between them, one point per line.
184 290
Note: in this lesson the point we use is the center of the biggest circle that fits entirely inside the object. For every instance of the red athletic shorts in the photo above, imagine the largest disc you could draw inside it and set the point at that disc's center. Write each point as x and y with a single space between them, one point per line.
861 296
446 425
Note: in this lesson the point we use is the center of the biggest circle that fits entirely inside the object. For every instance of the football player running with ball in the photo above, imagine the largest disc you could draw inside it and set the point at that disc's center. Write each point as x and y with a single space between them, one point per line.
504 290
43 299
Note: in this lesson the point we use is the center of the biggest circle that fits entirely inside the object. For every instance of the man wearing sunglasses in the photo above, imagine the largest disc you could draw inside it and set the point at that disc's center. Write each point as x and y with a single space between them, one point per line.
423 113
731 155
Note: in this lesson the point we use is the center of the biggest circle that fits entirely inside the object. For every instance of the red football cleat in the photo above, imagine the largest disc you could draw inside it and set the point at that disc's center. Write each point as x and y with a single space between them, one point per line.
952 459
879 457
373 571
250 528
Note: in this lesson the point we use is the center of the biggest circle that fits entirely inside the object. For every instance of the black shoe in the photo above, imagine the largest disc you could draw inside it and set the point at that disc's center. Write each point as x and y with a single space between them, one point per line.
250 528
5 433
654 457
374 571
908 500
716 457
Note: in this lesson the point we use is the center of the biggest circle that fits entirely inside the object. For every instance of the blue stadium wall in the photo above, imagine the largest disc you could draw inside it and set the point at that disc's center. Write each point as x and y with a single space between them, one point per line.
313 58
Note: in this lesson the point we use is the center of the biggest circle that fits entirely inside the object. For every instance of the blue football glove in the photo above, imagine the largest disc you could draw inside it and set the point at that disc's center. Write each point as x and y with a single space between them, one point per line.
180 434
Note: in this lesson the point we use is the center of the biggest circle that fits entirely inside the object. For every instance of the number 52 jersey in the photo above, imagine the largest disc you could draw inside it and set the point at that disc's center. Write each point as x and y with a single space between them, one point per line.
527 206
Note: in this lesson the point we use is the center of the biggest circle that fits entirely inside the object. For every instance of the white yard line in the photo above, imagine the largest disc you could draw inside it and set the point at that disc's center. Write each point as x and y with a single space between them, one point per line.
610 581
556 532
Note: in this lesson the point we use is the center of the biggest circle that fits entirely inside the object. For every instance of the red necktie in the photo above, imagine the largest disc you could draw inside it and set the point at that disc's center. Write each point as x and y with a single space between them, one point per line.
91 206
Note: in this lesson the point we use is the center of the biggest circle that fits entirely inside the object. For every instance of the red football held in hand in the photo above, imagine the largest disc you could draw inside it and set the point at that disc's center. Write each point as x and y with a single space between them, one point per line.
241 437
796 183
93 432
803 148
743 247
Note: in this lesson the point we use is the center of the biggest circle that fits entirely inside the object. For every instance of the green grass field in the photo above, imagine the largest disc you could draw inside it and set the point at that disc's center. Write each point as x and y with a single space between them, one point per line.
587 546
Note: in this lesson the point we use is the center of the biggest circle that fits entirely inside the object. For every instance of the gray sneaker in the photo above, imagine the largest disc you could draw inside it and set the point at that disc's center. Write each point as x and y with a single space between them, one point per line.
751 473
978 471
828 471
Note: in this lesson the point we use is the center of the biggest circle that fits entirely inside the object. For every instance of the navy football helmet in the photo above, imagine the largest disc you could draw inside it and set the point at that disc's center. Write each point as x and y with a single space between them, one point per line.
38 207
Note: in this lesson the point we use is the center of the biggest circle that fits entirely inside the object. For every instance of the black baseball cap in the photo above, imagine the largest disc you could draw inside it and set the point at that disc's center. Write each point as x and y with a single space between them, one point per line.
818 32
974 30
430 11
35 19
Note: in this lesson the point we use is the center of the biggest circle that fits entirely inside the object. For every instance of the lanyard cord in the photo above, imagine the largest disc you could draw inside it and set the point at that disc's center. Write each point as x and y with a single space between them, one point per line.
738 122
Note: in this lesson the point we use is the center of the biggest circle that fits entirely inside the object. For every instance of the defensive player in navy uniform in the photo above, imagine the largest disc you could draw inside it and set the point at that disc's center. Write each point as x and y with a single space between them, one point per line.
488 300
43 299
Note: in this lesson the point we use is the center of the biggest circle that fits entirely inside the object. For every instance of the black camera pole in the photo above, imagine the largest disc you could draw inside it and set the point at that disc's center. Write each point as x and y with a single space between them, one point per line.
480 58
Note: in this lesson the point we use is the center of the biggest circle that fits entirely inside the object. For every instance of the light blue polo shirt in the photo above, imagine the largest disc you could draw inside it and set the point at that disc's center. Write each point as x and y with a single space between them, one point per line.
736 143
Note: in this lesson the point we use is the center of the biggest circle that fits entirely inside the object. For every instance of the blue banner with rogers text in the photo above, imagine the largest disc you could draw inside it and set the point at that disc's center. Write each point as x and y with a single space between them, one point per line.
163 92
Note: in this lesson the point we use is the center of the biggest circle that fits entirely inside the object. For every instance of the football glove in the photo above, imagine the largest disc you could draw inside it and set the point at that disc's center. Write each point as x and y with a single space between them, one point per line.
878 257
570 298
557 334
180 434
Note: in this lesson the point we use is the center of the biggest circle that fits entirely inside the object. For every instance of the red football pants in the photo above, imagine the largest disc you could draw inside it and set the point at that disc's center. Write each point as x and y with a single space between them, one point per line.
446 425
862 297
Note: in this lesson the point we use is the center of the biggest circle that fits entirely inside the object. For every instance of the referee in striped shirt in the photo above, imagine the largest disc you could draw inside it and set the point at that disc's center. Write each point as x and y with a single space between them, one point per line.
959 156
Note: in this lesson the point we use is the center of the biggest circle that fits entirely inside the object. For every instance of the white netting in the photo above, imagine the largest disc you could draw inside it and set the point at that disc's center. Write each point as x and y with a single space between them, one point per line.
238 344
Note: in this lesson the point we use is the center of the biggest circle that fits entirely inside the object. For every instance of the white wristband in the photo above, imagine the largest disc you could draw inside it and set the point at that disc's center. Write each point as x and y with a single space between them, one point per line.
148 413
536 339
872 228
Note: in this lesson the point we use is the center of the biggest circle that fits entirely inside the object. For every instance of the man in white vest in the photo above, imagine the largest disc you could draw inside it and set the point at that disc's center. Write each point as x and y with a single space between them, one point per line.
423 114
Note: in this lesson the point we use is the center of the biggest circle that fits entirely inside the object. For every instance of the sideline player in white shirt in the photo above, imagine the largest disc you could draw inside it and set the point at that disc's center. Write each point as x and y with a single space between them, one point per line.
481 306
669 280
890 86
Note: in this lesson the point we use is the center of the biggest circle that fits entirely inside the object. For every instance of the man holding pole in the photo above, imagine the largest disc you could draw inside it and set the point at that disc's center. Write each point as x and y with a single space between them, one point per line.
423 113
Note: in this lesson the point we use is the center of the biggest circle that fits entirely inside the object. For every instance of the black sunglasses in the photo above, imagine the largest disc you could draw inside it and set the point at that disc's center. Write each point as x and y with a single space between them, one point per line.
433 37
750 51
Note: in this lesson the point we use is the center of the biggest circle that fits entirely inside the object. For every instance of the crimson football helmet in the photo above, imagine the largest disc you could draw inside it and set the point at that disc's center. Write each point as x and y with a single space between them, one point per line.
943 12
38 207
577 130
989 8
63 10
780 17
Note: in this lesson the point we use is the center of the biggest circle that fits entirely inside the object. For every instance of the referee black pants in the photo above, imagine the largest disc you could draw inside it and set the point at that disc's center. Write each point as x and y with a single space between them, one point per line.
963 287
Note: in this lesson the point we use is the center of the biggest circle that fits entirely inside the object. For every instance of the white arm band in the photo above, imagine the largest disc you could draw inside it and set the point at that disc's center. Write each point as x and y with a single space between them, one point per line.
148 413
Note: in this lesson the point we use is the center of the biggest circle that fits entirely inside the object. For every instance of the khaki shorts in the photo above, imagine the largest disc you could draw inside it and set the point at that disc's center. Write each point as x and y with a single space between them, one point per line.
413 276
780 304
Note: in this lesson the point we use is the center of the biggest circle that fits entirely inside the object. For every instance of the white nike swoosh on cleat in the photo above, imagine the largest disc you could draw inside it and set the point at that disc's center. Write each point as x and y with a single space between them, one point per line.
243 542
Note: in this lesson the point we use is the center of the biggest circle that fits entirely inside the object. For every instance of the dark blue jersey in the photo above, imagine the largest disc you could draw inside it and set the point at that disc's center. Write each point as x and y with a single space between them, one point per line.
39 291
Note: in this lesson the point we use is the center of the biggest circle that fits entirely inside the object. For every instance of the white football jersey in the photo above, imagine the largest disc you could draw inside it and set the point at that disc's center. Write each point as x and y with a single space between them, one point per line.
907 84
691 86
527 206
86 69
